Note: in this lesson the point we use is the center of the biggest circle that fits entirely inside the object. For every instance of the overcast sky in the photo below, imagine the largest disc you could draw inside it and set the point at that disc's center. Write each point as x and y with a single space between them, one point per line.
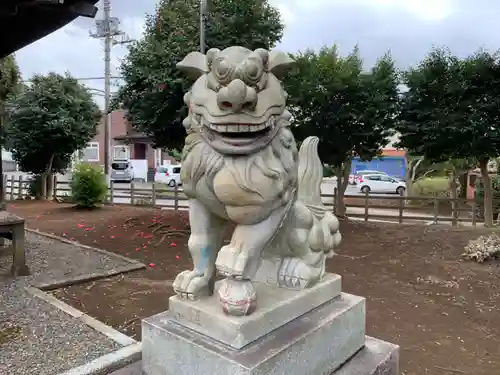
408 28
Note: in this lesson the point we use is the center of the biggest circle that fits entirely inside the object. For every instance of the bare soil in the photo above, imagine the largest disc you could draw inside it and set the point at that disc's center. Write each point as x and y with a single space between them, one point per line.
444 312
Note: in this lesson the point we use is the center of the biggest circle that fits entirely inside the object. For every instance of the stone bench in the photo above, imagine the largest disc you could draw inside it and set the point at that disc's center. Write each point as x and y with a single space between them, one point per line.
12 228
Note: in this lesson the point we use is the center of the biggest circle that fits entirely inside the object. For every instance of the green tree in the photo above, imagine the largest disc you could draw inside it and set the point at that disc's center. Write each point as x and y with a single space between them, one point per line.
351 111
9 86
52 118
451 112
154 88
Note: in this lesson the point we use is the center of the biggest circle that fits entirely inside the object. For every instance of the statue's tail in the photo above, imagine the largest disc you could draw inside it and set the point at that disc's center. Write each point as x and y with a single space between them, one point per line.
324 235
310 174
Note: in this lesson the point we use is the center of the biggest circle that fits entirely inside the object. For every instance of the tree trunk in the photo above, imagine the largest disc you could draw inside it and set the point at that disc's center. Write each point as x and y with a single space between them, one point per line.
342 173
453 191
463 180
44 178
50 186
411 175
2 191
488 192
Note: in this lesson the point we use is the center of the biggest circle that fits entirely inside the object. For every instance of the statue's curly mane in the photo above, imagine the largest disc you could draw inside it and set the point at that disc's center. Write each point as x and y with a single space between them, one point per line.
277 161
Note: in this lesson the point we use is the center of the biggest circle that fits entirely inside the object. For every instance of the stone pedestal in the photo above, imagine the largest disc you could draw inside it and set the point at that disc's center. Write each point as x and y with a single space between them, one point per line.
318 331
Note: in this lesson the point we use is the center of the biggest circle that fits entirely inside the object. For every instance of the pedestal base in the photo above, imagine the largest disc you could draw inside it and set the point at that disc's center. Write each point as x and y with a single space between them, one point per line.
316 343
376 358
275 307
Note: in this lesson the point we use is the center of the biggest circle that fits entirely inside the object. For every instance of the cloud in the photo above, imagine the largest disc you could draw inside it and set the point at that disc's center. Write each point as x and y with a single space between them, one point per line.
408 28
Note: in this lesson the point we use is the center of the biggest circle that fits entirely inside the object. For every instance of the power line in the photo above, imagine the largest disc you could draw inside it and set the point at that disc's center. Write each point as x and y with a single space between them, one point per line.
81 79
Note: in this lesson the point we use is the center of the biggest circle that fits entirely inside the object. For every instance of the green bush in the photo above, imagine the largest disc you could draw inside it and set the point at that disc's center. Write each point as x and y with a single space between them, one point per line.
431 187
479 193
328 171
35 187
88 186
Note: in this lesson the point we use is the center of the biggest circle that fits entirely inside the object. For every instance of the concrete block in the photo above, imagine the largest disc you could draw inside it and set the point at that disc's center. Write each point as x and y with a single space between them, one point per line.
316 343
275 307
376 358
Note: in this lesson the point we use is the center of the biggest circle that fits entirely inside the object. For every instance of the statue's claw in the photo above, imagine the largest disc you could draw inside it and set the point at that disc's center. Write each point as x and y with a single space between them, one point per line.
232 262
296 273
191 285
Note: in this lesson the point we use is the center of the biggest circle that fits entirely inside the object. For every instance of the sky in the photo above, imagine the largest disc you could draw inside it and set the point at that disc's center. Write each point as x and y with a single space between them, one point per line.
406 28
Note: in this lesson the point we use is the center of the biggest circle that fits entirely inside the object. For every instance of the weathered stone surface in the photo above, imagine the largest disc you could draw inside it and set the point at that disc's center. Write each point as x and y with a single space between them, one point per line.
276 307
270 193
376 358
316 343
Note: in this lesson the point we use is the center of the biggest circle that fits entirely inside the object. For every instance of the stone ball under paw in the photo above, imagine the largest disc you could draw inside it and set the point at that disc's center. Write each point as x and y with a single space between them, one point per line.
237 297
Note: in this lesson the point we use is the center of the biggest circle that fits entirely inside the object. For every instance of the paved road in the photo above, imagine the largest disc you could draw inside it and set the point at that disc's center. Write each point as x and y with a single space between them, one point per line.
121 194
327 188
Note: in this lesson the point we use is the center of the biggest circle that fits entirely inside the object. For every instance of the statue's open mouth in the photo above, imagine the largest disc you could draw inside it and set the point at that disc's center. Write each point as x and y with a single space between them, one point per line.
240 138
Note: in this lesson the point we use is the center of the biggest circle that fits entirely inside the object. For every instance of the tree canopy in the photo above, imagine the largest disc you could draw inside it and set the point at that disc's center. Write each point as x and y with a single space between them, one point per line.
154 89
352 111
10 78
452 110
51 119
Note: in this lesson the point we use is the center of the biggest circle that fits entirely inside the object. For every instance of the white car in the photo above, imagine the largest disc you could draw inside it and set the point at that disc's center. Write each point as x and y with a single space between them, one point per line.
169 174
378 183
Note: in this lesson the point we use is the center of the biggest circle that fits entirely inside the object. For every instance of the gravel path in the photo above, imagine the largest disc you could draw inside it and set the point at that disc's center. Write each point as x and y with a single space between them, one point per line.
51 261
36 338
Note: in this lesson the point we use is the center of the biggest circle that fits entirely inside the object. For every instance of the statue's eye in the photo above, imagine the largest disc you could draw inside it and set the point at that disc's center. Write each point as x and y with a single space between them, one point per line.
223 70
213 83
252 71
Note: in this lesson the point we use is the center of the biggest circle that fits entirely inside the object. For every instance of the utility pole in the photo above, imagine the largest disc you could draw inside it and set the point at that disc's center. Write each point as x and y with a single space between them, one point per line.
107 29
204 5
203 14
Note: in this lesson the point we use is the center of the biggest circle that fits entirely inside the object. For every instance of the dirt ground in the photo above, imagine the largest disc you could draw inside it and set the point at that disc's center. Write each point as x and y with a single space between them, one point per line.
442 311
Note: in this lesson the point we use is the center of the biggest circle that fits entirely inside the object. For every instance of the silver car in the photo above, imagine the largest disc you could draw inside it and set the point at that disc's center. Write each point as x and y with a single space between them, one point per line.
122 171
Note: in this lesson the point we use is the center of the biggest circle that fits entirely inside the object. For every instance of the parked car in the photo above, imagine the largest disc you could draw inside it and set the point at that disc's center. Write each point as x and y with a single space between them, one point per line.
122 171
356 177
377 183
365 172
169 174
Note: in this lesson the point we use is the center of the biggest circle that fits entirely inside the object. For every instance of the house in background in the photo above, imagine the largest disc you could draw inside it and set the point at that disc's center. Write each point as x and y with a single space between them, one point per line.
8 163
392 161
125 143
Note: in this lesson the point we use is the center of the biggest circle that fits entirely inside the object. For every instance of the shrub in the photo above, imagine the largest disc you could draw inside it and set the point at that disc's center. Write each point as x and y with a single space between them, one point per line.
35 187
479 193
431 187
88 186
328 171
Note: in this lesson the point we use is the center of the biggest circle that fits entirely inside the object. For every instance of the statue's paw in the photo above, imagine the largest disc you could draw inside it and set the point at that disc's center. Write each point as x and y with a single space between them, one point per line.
231 261
191 285
295 273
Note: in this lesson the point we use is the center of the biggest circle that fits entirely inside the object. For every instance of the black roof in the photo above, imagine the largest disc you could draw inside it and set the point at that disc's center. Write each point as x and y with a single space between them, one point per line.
24 21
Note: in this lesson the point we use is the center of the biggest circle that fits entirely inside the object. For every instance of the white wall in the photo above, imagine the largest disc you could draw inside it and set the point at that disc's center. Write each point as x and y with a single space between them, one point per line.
6 155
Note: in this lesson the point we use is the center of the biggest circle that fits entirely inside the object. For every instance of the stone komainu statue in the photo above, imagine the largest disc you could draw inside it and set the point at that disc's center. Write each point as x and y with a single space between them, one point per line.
241 168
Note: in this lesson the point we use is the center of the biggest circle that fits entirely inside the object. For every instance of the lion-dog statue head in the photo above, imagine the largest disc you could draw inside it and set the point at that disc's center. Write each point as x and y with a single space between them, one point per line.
237 98
239 151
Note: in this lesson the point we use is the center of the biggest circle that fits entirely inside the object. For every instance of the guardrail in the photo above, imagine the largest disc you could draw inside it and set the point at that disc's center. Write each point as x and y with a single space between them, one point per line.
365 207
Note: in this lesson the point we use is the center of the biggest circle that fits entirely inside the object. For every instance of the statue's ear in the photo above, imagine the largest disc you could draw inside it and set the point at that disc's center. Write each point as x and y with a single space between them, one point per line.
194 65
280 63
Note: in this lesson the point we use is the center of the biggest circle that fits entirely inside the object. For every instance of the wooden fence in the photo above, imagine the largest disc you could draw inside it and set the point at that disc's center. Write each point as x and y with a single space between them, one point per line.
363 207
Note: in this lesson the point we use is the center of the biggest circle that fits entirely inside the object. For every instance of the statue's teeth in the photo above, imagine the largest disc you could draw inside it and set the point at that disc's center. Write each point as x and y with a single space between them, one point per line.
244 128
232 128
